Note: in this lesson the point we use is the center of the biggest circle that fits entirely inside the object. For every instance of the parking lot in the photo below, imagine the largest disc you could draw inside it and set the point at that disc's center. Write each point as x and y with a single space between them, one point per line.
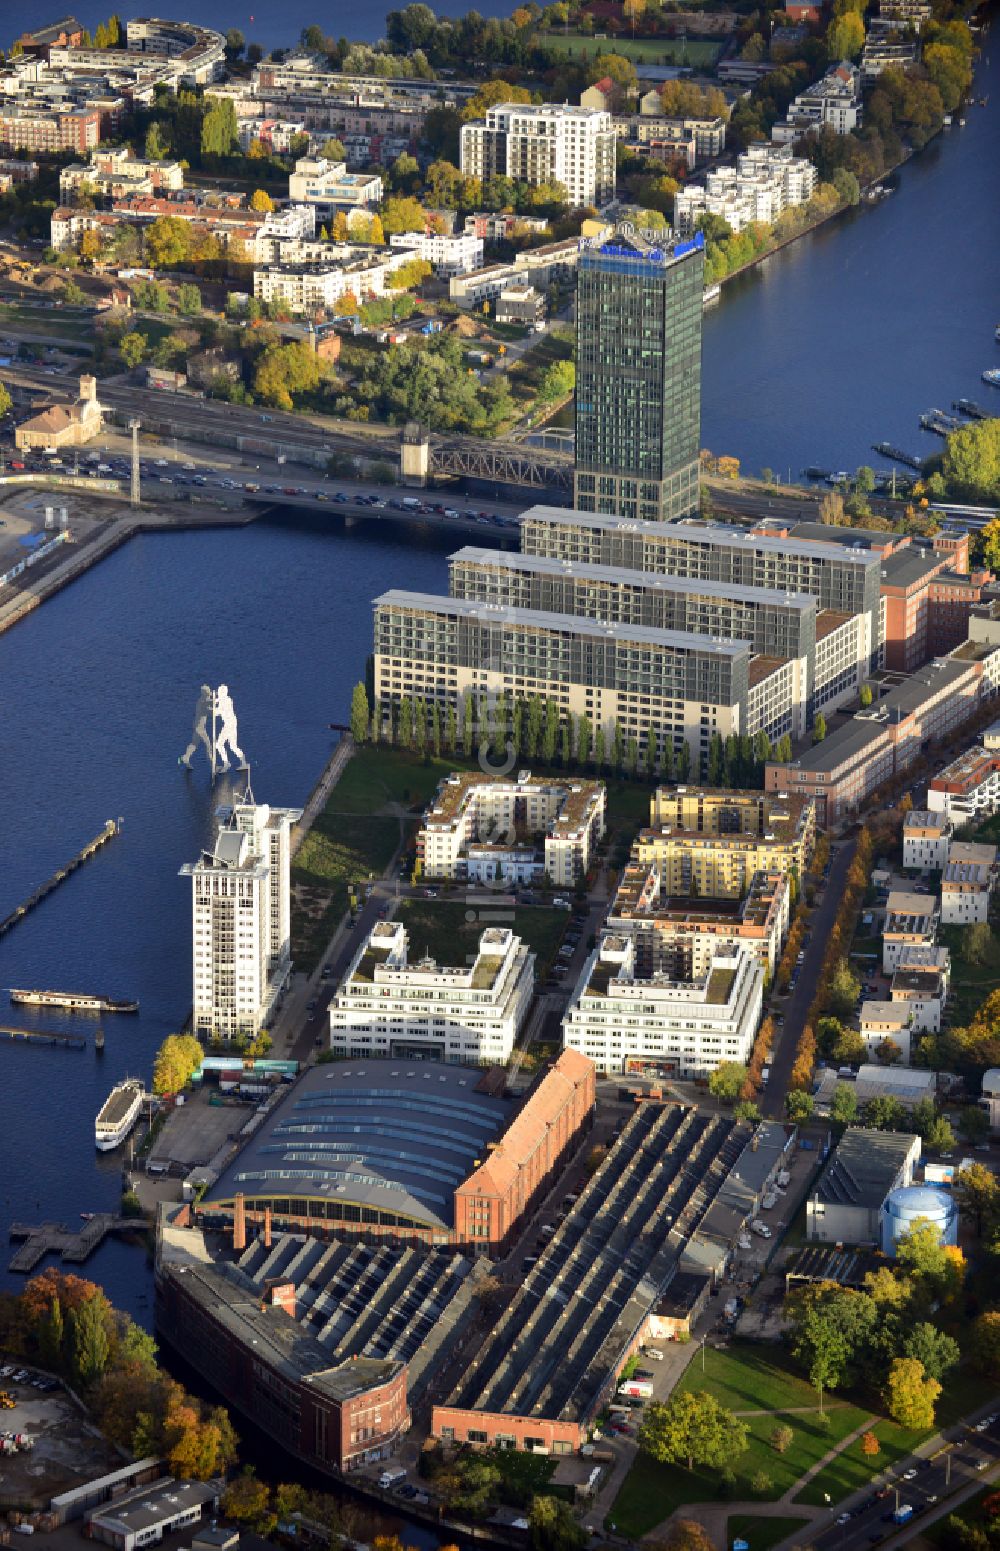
61 1448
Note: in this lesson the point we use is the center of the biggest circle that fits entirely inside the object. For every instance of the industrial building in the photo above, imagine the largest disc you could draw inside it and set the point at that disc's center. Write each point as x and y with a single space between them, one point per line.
335 1414
682 935
142 1517
626 1021
845 1205
671 1197
638 378
241 920
404 1152
467 1013
909 1205
490 829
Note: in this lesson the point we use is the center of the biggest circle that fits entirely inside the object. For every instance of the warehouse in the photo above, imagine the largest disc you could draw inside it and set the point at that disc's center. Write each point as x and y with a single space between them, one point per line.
845 1205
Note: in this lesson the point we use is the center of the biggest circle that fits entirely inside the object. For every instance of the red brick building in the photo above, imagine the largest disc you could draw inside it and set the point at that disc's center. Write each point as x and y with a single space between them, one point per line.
336 1417
521 1165
56 129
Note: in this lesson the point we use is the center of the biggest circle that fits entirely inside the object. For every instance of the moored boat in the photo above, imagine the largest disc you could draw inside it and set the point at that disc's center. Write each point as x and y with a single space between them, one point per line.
73 1001
118 1114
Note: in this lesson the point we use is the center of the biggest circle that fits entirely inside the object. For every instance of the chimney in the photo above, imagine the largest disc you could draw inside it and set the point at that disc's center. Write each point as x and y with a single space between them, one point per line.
239 1223
267 1227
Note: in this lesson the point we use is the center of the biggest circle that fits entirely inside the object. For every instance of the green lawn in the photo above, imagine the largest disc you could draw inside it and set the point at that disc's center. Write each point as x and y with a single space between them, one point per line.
449 930
651 1492
971 984
749 1377
762 1532
650 51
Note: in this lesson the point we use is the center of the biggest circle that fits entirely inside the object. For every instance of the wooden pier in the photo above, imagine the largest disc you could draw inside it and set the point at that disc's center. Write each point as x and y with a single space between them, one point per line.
72 1245
107 833
45 1037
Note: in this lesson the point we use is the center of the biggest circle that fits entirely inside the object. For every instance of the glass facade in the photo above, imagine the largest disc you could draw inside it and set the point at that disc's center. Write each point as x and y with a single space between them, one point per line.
638 381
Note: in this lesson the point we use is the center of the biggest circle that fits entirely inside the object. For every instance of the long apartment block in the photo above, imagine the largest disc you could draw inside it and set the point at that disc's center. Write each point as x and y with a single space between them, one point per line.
710 844
824 648
682 686
844 581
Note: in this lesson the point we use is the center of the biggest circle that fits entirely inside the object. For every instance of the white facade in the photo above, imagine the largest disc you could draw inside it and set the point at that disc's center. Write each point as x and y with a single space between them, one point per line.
923 991
766 180
448 255
465 1014
965 893
545 144
911 920
337 270
990 1100
329 185
880 1021
968 788
679 1028
516 831
834 101
926 838
241 921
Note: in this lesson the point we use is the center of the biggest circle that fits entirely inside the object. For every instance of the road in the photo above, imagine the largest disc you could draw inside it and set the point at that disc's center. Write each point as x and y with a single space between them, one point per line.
933 1478
795 1006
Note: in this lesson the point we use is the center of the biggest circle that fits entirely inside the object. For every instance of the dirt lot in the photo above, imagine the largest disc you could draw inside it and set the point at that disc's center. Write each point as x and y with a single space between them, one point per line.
194 1133
68 1449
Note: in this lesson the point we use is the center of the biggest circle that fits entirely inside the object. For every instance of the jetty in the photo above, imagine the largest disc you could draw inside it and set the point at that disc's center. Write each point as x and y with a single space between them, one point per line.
73 1245
107 833
45 1037
898 455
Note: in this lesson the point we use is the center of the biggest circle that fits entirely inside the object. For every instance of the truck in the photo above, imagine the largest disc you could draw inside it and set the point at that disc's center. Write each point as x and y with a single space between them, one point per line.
636 1389
391 1476
409 502
903 1513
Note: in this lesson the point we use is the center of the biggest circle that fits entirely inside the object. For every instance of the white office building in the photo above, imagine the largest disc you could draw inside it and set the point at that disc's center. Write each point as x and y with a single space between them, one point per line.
447 254
926 838
464 1013
834 102
670 1028
550 143
329 185
241 920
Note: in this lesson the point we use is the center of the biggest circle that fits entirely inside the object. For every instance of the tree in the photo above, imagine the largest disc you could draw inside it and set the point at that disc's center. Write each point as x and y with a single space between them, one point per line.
885 1113
782 1439
978 1192
410 274
973 1123
845 988
235 43
261 200
376 233
920 1251
910 1394
977 943
558 382
621 70
90 246
51 1335
887 1052
986 1343
188 300
219 136
798 1106
168 242
870 1445
831 1329
156 148
285 370
727 1080
6 402
686 1535
177 1059
692 1427
865 696
843 1105
403 214
845 36
819 727
553 1527
89 1341
248 1502
133 348
360 714
937 1351
971 468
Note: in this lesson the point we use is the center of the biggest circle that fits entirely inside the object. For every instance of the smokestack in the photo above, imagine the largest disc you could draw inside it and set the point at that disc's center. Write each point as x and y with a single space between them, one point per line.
267 1227
239 1223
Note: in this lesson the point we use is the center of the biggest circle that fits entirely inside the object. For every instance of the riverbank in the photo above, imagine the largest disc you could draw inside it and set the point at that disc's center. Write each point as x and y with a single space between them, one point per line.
82 554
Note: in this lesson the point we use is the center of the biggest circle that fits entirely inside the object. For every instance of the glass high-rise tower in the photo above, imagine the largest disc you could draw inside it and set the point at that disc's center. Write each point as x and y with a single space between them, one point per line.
638 378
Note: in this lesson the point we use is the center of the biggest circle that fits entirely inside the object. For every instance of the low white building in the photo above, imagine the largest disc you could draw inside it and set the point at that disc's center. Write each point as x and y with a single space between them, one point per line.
911 920
965 893
833 102
666 1027
329 185
926 838
520 830
923 990
241 921
276 134
117 171
144 1516
464 1013
447 254
331 271
766 180
881 1021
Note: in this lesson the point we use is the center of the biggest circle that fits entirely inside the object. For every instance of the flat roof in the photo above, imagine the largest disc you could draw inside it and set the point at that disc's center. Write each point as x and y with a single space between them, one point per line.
905 567
152 1505
550 565
393 1135
560 624
700 533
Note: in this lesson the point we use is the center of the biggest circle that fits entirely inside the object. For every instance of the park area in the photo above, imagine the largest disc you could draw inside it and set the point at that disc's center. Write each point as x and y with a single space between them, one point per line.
642 51
762 1387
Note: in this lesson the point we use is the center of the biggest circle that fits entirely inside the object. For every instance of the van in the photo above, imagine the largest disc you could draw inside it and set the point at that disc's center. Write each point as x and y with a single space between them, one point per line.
390 1477
410 503
655 1353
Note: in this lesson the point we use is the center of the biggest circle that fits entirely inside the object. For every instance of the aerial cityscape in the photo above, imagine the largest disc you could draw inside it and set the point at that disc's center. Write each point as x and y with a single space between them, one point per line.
500 888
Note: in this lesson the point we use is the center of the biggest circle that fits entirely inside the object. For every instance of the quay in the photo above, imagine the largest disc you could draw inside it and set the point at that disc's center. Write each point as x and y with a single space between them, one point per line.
110 829
72 1245
45 1037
